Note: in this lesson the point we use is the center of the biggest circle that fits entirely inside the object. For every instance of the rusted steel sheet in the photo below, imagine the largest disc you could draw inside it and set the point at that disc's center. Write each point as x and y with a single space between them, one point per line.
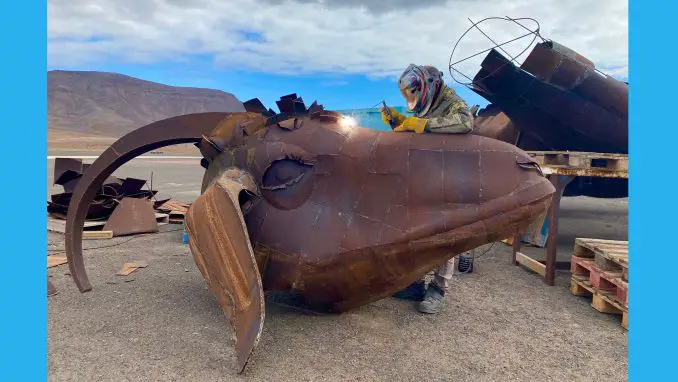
345 216
557 64
562 102
230 270
569 70
132 216
491 122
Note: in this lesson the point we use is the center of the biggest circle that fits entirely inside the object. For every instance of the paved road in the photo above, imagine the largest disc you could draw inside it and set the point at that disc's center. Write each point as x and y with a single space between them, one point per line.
178 177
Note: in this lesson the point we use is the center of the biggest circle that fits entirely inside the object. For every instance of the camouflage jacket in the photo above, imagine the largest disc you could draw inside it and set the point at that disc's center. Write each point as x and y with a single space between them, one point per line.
449 114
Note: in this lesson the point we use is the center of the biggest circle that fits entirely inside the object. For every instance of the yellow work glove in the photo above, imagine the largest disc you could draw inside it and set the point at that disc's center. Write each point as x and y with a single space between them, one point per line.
412 124
397 117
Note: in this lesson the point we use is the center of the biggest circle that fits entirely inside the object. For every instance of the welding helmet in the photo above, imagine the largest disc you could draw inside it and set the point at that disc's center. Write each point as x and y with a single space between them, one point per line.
420 85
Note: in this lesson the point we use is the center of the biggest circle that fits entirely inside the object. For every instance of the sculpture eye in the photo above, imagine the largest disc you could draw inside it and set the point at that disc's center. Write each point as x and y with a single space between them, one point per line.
287 183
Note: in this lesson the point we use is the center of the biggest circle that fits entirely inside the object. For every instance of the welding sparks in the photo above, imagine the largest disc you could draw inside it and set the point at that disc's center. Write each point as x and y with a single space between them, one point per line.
347 123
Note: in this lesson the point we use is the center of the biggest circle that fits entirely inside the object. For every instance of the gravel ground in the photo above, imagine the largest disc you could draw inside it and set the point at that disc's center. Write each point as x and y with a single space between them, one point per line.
500 323
161 323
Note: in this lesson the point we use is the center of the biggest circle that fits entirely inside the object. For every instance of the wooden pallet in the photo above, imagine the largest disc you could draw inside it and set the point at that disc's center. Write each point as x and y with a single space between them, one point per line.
601 301
609 282
582 163
609 255
176 211
581 160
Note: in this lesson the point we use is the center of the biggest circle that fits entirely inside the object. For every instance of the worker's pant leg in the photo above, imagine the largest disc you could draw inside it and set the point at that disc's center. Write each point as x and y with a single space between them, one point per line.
443 275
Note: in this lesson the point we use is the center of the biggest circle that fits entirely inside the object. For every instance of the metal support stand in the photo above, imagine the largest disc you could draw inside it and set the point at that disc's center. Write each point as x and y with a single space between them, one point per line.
559 182
548 271
562 167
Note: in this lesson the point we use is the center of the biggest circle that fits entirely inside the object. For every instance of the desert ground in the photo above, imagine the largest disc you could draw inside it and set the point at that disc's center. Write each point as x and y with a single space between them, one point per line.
65 142
500 322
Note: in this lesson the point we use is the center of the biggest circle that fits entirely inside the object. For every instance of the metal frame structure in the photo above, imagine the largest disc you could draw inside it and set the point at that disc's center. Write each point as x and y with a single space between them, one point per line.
560 177
474 25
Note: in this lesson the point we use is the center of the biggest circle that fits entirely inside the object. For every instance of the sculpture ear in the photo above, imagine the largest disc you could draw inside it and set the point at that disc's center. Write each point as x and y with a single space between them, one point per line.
221 247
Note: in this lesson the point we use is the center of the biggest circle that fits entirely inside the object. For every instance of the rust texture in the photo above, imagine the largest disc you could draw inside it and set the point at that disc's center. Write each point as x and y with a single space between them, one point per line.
132 216
296 201
491 122
557 100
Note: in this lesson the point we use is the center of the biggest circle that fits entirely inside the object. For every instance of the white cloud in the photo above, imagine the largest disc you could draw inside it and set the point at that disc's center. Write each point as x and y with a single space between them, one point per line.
328 36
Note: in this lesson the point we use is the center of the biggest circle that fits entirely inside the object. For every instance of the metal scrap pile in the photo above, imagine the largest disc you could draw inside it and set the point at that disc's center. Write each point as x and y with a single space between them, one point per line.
123 204
68 171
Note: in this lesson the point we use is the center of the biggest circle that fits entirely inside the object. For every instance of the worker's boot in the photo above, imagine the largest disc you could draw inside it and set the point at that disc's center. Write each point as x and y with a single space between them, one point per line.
434 300
415 291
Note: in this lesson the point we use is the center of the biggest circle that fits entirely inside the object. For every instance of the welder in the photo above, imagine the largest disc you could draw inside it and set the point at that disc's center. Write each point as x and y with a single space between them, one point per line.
437 109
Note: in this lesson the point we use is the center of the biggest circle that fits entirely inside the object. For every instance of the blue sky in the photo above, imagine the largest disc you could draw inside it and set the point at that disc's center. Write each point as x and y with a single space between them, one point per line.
345 54
336 91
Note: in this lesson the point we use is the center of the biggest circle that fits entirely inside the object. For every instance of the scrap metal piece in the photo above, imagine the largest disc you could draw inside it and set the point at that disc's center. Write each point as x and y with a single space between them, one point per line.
159 203
67 169
568 69
255 106
98 209
315 108
285 105
132 216
131 186
266 196
491 122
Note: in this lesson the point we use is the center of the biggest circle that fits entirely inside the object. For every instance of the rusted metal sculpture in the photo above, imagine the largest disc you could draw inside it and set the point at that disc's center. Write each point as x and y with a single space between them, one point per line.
558 98
555 100
345 215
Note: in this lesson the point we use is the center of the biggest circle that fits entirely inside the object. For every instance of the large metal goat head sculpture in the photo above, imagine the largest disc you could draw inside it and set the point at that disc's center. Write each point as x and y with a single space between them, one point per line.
344 215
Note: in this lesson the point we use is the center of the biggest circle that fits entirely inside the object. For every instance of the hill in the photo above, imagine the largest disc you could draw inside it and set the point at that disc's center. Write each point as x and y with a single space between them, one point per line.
100 104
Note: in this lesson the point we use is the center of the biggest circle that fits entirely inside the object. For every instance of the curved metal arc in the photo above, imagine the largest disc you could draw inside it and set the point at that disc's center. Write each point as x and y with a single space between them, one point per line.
176 130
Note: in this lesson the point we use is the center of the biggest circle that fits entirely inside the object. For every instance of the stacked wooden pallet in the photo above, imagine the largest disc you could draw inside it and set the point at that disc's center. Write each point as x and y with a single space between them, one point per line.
600 269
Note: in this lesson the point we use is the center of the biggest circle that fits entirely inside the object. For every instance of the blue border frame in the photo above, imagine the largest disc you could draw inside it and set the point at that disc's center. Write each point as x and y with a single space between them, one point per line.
24 193
652 149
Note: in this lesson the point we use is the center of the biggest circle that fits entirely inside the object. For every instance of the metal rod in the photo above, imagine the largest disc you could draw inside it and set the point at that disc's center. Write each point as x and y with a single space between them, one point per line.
489 38
489 49
536 32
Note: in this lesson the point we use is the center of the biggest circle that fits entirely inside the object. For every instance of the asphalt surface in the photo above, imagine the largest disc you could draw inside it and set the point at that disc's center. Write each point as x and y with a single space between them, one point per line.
161 323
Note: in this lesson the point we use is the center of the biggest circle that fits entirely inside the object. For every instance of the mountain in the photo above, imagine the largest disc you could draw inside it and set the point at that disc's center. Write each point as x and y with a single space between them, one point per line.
111 104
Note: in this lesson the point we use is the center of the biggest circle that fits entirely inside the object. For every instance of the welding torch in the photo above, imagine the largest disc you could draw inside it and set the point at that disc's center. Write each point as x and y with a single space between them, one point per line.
391 121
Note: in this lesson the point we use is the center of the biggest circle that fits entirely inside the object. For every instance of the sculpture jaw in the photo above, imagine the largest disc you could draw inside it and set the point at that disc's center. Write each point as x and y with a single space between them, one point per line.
222 252
378 272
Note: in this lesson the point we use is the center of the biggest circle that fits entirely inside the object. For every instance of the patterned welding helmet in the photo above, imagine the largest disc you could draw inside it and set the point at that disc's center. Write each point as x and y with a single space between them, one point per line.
420 85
